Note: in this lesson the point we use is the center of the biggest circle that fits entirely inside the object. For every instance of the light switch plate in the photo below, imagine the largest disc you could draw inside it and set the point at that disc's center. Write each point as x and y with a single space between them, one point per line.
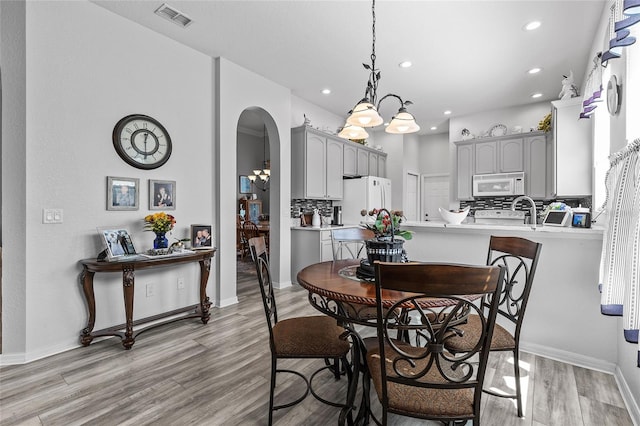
52 216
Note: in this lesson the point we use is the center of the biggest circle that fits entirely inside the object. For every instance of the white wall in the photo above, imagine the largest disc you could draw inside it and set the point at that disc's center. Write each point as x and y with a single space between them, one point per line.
320 119
14 176
434 154
239 89
81 78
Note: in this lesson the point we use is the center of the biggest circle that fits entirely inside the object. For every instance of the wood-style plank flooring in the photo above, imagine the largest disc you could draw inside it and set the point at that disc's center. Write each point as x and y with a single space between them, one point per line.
187 373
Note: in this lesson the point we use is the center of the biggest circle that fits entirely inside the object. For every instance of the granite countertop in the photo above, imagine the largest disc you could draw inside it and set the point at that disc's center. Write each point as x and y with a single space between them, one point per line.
594 231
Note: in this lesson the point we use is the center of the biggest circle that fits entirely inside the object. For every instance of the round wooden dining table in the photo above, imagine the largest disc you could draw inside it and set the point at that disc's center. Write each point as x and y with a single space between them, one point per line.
335 290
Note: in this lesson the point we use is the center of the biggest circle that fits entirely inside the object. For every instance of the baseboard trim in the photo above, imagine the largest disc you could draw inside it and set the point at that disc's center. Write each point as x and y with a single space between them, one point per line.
281 285
25 358
569 357
227 302
627 396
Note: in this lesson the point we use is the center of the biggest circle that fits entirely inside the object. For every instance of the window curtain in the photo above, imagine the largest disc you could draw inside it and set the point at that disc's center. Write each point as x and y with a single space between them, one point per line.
620 262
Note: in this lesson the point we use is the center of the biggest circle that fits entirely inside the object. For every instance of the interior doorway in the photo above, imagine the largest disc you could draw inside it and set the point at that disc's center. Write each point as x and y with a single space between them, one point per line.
435 193
412 199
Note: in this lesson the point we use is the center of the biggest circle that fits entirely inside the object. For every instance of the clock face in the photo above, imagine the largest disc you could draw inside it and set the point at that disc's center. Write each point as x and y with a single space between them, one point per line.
142 141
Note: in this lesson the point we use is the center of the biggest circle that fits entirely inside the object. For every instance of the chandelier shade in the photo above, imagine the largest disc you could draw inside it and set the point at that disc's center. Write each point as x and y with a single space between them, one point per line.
402 122
353 132
365 114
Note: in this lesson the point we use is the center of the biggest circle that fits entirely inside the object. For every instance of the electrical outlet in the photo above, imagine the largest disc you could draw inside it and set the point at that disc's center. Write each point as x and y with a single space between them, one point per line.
151 290
180 283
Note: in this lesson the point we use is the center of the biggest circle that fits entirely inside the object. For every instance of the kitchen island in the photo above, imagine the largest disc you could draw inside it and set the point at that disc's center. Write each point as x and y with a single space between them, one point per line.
563 319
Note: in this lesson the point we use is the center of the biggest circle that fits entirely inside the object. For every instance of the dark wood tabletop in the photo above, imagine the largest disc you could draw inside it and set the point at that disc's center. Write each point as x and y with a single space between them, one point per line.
325 280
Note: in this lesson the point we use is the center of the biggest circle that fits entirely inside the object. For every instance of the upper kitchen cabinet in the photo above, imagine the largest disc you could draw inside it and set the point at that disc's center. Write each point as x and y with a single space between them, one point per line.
499 156
360 160
465 165
317 165
535 165
570 153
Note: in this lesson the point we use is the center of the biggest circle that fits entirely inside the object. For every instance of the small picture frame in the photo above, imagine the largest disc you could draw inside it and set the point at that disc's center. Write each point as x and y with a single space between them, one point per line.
123 193
245 185
117 242
201 237
162 194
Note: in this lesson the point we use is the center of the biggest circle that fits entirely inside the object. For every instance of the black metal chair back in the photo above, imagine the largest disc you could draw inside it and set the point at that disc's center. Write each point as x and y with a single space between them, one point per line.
417 377
260 257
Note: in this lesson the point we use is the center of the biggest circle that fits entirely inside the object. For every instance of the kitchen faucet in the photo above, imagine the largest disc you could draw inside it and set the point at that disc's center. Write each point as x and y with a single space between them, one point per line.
534 214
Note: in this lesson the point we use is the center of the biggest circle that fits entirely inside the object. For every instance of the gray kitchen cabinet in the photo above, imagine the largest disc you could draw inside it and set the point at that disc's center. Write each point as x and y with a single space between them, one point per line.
510 155
499 156
535 166
373 164
486 157
317 165
465 166
309 246
363 162
571 150
382 165
350 160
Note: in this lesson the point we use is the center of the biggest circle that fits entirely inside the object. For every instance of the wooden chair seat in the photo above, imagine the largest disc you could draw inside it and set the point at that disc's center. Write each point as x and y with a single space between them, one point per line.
309 337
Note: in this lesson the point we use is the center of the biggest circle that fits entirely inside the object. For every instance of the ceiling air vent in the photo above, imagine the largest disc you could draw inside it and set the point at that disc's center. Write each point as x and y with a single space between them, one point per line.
173 15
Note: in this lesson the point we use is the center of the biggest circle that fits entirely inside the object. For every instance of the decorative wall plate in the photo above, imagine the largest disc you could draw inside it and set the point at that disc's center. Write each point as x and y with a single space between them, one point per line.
613 95
498 130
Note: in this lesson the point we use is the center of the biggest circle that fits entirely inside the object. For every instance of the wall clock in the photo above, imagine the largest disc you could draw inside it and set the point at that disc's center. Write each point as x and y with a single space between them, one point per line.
142 141
613 95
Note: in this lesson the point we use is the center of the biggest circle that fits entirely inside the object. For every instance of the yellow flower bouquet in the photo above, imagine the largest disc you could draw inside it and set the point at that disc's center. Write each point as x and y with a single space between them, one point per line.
160 222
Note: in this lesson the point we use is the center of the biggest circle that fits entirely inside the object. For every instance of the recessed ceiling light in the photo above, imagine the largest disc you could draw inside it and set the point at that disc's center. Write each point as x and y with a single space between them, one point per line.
536 95
433 128
447 112
534 70
405 64
326 91
532 25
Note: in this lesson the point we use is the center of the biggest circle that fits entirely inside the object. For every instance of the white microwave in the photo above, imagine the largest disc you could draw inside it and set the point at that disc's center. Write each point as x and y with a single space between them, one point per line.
498 185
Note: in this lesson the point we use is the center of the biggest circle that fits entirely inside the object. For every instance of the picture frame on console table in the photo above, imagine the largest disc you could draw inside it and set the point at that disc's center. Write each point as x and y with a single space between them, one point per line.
201 237
117 242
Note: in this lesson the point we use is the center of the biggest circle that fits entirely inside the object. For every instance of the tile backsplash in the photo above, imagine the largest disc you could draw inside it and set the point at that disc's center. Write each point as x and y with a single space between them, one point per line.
504 203
325 207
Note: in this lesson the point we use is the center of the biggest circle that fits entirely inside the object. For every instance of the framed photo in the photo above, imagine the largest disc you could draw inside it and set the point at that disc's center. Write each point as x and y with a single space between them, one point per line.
201 237
122 193
117 242
245 185
162 194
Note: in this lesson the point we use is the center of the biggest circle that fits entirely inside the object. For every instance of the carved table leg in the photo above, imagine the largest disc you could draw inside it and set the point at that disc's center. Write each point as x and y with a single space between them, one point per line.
205 303
87 287
127 287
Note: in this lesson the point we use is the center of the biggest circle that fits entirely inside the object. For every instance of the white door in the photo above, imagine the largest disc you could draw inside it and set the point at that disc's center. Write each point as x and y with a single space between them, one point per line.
412 200
435 193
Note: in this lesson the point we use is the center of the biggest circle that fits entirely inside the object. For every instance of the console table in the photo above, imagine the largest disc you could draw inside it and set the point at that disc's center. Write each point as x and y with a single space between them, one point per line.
128 268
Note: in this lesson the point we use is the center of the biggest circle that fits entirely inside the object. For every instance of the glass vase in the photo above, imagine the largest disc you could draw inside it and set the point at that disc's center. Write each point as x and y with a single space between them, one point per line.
161 241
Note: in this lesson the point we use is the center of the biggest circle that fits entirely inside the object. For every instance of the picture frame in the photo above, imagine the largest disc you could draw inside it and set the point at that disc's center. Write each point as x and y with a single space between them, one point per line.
162 194
117 242
245 185
123 193
201 237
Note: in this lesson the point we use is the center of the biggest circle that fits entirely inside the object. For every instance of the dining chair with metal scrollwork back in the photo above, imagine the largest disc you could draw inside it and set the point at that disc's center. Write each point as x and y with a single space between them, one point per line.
349 243
317 337
419 378
519 257
249 230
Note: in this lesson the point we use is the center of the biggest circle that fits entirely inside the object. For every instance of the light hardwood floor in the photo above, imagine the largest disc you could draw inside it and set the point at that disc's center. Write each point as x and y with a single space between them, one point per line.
187 373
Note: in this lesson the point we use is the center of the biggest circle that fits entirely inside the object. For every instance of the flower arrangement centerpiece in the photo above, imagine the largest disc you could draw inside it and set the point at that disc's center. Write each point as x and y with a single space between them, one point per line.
160 223
385 225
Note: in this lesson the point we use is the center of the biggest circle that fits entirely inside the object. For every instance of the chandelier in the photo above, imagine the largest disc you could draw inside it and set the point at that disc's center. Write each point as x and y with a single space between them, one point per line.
260 177
365 113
